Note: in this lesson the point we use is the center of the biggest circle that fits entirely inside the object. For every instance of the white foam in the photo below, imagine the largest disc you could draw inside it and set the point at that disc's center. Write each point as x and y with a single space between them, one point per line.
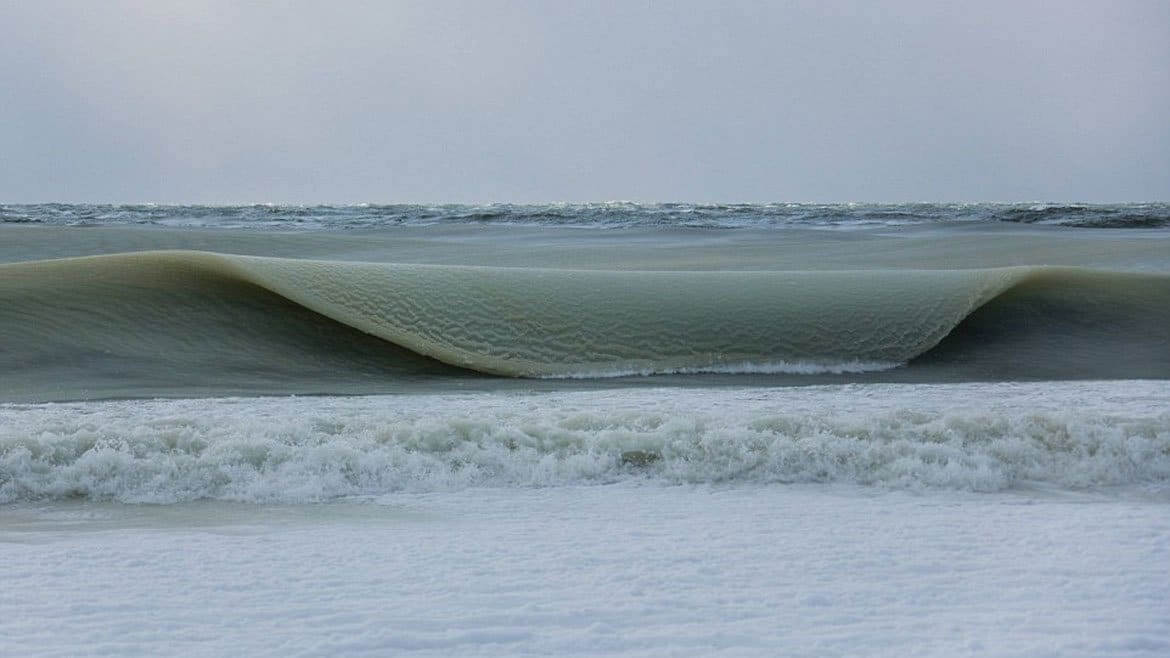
978 437
742 368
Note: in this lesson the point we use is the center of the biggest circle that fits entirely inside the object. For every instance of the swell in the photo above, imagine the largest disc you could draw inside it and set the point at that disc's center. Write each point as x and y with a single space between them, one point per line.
217 324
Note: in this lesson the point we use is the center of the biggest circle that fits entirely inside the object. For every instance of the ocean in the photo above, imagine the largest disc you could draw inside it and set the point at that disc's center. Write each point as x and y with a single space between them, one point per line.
612 428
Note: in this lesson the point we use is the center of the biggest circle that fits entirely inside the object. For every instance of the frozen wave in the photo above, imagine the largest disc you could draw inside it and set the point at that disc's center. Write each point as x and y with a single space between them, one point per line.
169 312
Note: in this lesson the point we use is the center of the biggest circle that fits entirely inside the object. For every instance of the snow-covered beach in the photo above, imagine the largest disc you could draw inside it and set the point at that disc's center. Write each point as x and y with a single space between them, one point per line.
622 569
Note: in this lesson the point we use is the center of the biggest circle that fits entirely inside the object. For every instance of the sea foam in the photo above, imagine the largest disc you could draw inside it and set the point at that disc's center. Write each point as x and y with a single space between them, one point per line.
975 437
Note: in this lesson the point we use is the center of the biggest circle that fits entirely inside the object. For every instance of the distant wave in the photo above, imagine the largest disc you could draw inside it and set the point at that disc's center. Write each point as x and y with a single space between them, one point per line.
197 319
1089 216
608 215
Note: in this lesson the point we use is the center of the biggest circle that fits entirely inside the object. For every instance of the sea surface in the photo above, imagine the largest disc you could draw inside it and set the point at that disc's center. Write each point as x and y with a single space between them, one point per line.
690 429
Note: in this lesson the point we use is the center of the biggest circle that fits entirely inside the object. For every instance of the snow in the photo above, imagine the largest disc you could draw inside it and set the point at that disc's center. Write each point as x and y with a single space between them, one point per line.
632 568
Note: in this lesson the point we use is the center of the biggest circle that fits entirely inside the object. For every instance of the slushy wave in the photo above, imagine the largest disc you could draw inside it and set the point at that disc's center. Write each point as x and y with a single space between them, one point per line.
184 309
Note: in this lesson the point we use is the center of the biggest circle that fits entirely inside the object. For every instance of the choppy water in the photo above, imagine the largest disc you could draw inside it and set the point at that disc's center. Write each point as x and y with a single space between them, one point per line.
513 306
1068 435
616 214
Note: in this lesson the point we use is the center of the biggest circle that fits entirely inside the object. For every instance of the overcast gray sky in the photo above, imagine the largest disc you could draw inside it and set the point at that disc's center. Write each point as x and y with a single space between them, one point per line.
189 101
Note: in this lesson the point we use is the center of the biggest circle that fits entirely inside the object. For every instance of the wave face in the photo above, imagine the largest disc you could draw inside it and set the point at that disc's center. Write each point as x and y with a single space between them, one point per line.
1078 436
590 215
143 323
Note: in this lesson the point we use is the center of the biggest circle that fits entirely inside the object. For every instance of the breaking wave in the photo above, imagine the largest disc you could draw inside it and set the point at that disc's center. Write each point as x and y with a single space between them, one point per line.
965 437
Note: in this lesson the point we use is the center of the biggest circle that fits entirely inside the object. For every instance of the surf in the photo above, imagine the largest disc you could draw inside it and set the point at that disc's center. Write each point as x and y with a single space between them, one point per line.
1088 436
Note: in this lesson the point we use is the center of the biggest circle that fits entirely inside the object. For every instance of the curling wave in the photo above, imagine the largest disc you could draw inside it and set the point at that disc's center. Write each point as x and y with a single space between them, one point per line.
198 319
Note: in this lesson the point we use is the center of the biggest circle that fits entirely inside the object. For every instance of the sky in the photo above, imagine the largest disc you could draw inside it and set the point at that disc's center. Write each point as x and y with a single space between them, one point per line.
172 101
